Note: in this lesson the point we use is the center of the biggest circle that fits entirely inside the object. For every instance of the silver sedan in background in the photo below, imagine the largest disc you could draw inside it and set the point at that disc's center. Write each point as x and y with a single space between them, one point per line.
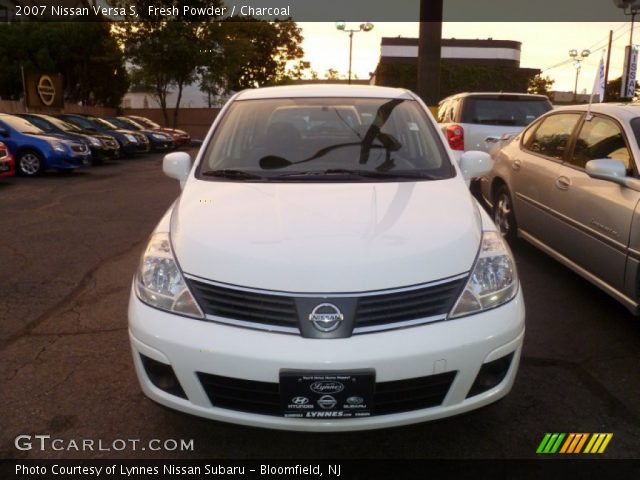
569 184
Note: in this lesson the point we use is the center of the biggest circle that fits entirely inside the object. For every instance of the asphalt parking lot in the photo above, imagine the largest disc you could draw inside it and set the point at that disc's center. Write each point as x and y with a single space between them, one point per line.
69 245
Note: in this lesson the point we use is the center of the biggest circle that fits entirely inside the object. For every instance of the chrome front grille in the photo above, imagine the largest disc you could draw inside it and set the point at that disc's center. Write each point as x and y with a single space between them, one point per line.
281 311
110 142
141 138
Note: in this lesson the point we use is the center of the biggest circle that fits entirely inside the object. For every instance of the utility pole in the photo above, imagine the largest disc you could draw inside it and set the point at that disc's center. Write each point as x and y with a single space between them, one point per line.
429 51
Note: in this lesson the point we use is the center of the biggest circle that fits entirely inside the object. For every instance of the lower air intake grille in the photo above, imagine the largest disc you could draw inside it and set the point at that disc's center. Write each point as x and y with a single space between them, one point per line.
264 398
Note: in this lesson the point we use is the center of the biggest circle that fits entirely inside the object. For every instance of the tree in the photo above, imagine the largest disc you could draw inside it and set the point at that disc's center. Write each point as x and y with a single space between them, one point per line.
540 85
256 52
612 90
331 74
167 54
85 53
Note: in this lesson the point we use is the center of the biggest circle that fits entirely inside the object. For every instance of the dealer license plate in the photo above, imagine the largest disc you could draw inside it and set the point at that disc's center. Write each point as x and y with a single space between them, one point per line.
327 395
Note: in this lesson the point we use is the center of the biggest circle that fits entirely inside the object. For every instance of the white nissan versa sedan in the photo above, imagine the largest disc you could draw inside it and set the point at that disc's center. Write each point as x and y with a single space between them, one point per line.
326 269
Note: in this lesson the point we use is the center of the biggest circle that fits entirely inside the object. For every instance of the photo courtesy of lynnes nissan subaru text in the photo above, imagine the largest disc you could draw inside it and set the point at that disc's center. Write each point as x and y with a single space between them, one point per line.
326 268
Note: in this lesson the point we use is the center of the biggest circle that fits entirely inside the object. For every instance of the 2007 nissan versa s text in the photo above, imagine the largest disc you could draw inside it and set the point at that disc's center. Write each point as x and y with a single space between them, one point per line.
326 268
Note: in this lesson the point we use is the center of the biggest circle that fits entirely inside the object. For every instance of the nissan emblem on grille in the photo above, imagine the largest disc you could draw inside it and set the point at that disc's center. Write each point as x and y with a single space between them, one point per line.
326 317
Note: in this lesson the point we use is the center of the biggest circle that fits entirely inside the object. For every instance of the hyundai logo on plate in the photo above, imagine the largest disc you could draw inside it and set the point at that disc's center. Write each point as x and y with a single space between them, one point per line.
327 402
300 400
326 387
326 317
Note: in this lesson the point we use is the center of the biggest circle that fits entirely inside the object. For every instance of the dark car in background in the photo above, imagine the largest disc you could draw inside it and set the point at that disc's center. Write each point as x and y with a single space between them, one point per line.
7 165
102 146
35 151
130 142
180 137
158 141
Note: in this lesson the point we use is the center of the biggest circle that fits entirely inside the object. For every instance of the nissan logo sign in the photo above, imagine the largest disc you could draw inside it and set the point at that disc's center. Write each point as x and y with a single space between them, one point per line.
326 387
326 317
46 90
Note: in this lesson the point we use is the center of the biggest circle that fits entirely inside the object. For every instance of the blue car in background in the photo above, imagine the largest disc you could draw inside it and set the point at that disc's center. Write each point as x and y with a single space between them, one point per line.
34 151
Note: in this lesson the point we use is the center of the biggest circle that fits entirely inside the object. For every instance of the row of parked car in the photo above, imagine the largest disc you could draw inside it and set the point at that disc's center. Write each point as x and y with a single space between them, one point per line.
31 143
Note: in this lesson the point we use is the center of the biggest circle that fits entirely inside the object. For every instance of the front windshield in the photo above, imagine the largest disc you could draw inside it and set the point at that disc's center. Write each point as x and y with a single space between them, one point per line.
326 139
40 123
122 123
103 123
81 122
62 125
146 122
21 125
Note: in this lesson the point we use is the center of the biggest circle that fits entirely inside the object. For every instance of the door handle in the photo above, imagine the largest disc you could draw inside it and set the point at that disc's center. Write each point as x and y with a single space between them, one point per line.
516 164
563 183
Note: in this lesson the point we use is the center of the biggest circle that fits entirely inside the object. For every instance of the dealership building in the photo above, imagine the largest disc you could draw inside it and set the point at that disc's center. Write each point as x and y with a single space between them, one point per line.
466 64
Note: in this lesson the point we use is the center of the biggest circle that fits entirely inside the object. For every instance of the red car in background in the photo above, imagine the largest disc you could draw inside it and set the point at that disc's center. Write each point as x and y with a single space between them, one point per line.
7 165
180 137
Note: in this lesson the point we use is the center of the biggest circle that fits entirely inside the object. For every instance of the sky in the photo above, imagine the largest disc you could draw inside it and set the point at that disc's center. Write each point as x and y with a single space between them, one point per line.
544 45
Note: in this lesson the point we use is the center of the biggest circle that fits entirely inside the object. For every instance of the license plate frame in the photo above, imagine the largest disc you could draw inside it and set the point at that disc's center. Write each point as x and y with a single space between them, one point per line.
327 395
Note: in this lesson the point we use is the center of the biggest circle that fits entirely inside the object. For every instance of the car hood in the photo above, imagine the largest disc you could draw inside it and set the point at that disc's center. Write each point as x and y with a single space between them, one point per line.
325 237
54 137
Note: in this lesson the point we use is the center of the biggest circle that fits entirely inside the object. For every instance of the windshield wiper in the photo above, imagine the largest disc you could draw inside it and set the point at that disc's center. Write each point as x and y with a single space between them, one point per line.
358 173
233 174
387 174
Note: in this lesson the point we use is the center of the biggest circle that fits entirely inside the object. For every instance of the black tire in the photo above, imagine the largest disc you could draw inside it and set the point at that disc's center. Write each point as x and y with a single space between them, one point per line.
29 163
503 214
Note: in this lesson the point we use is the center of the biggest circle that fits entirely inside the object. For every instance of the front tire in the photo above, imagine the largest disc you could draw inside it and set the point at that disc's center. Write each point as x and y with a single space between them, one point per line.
503 214
30 164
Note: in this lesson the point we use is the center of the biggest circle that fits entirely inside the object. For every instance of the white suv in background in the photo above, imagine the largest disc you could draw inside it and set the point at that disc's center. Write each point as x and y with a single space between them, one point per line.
476 121
325 268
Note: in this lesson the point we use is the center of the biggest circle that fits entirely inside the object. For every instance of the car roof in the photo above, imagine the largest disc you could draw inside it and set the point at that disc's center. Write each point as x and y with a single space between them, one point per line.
325 90
624 111
496 95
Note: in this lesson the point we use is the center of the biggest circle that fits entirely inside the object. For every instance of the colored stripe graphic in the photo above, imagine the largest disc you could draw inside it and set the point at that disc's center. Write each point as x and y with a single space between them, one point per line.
574 443
550 443
598 442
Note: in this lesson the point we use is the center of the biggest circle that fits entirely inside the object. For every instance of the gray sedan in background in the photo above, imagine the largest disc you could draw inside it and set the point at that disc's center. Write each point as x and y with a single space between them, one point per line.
569 184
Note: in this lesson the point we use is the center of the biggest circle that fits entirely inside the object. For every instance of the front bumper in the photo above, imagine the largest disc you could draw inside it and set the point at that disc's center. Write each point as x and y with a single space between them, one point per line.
69 160
191 346
7 167
161 145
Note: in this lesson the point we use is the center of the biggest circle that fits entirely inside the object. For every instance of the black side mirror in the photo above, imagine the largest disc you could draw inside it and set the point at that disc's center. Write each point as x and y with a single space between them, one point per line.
4 132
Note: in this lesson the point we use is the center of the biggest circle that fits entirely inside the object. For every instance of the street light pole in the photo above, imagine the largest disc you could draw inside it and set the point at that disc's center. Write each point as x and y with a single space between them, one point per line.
364 27
350 53
573 53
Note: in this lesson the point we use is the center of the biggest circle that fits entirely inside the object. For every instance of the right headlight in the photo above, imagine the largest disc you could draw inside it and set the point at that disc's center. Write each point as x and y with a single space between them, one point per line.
493 280
159 281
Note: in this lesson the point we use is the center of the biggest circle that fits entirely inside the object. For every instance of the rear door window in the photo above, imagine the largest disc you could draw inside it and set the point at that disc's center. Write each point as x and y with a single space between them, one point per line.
503 111
600 138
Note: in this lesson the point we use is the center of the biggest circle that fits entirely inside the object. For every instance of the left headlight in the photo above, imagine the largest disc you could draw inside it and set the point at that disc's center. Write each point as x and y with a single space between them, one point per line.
131 138
159 281
95 142
493 280
160 136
